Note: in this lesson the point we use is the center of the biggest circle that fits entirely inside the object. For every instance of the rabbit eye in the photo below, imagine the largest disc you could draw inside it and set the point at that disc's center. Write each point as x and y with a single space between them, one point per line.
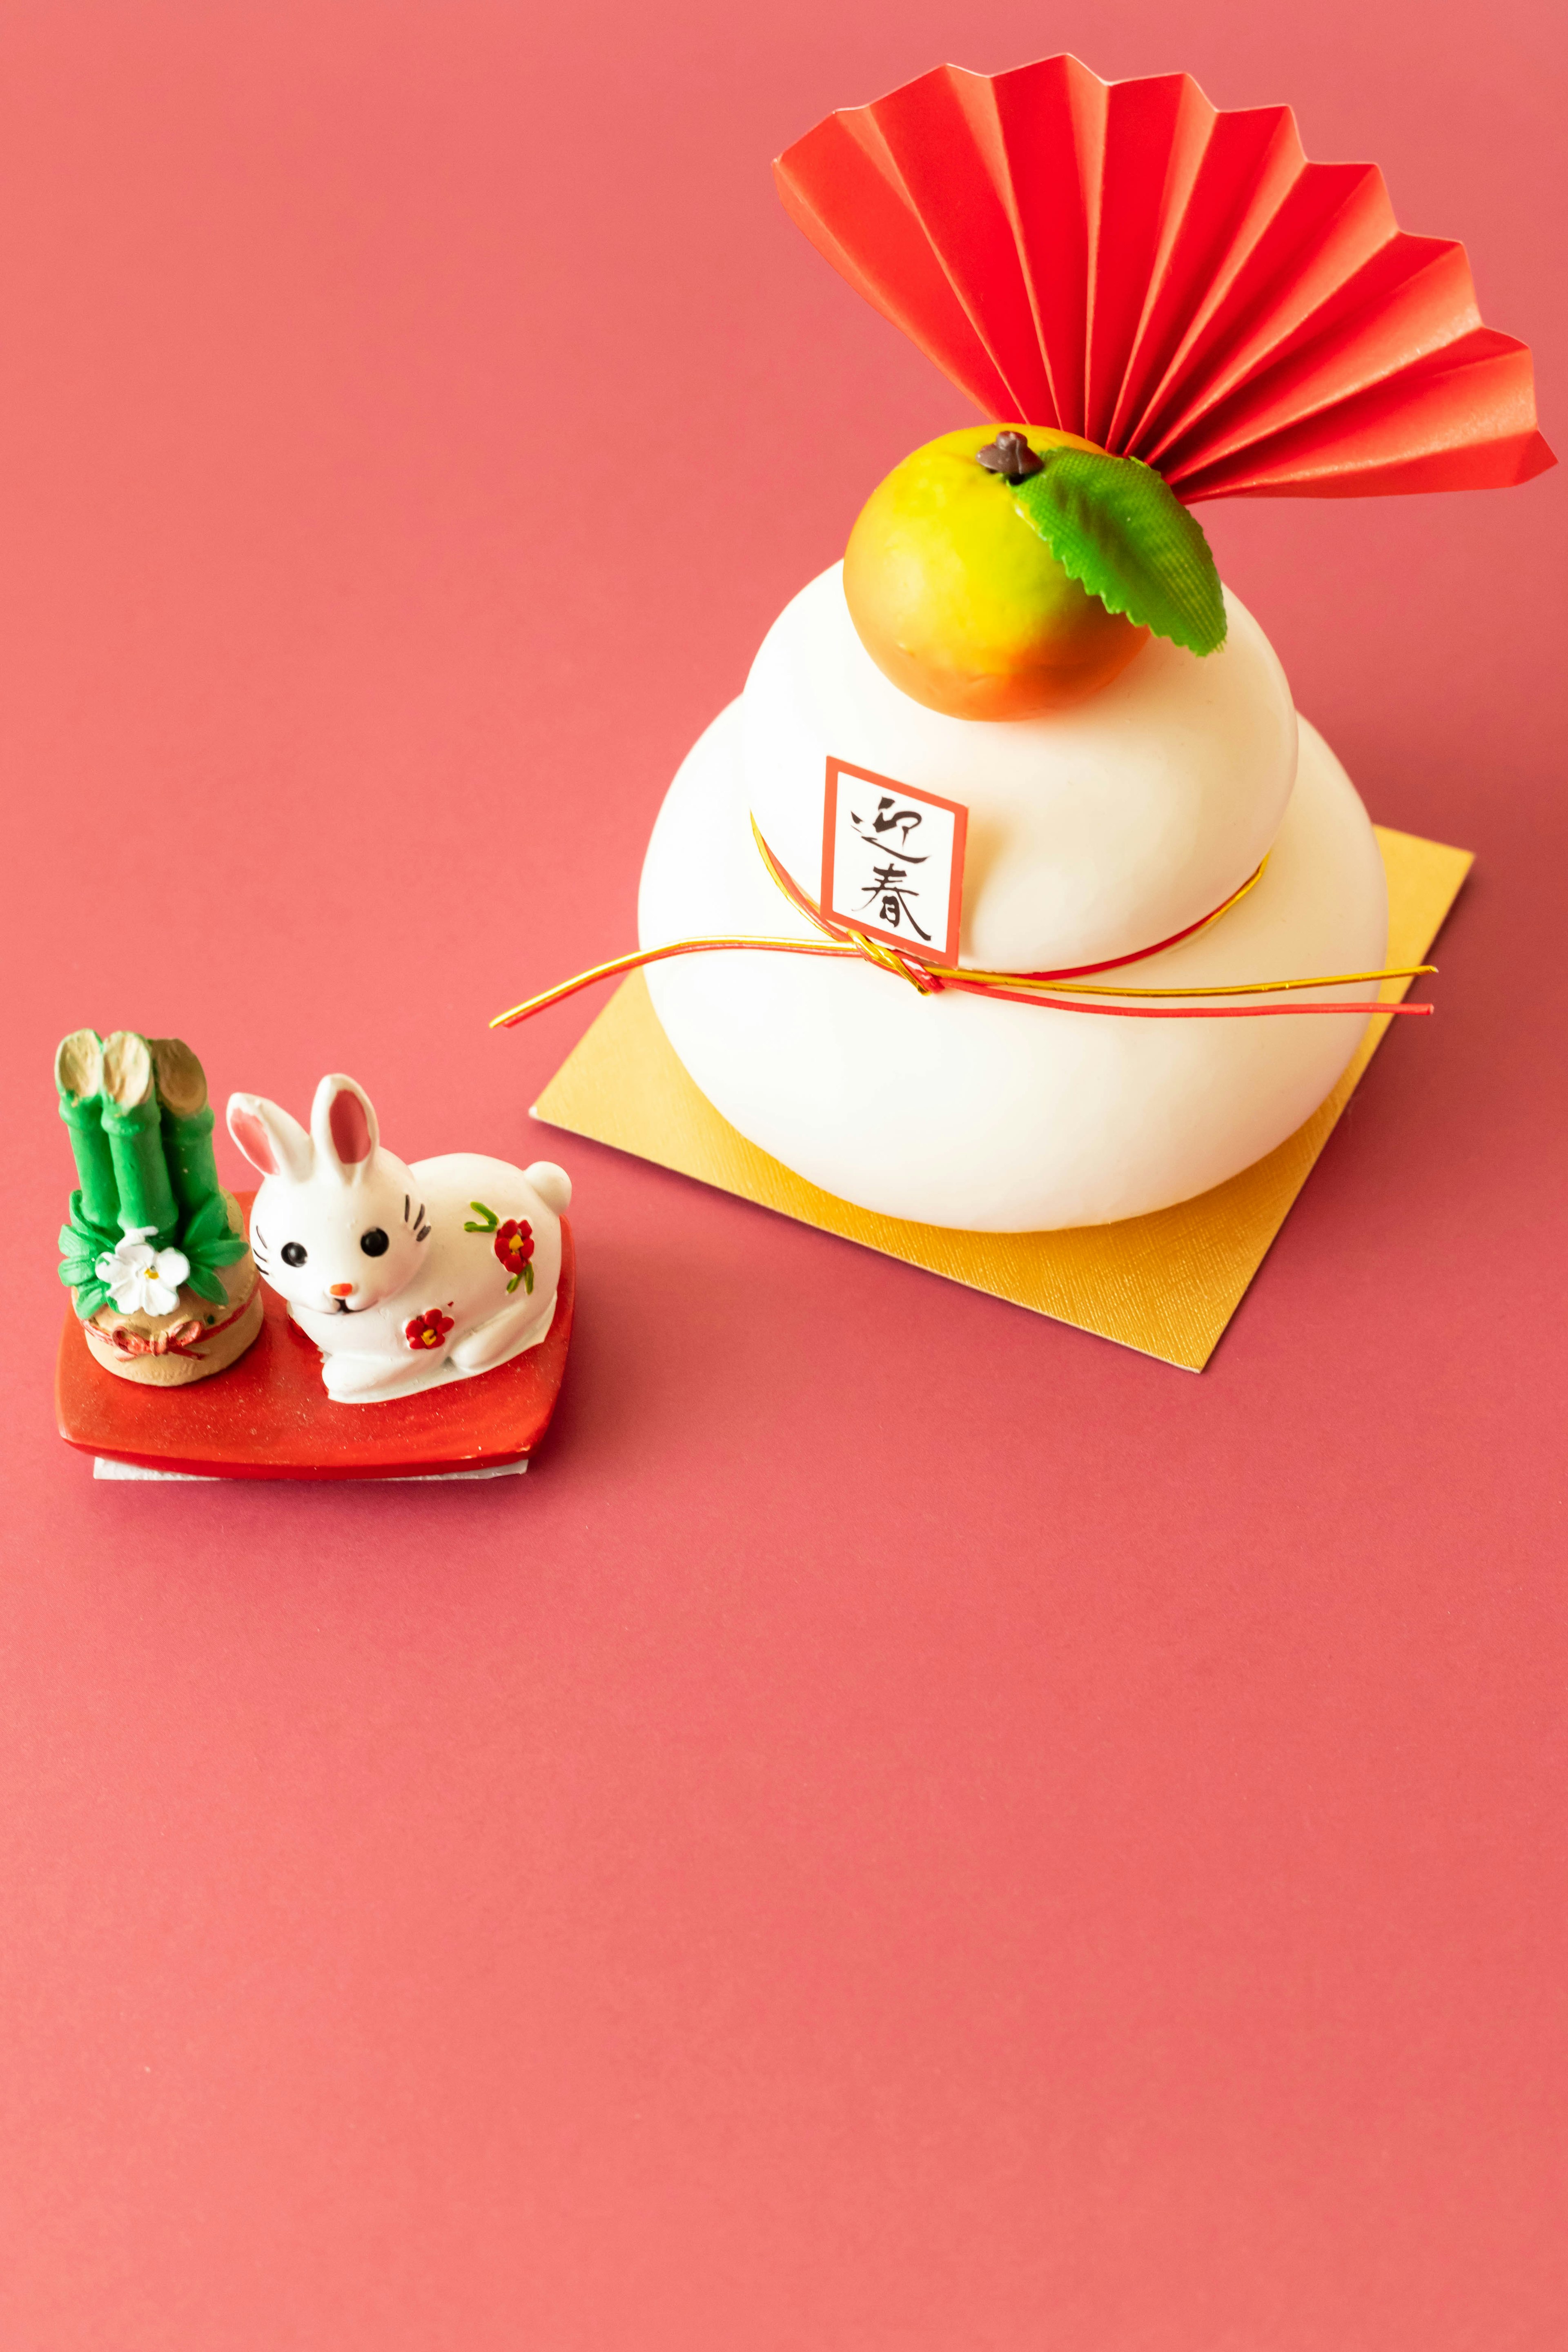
374 1243
293 1253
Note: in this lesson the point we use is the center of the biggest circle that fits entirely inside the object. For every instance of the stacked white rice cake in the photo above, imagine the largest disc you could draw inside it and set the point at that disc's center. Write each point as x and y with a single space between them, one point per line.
1093 833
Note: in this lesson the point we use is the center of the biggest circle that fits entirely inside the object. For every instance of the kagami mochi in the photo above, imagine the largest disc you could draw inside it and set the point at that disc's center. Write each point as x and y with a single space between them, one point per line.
1099 826
1011 893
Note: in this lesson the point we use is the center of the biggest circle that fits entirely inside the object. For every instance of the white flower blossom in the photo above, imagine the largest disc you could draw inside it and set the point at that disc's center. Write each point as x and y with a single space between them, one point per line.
143 1281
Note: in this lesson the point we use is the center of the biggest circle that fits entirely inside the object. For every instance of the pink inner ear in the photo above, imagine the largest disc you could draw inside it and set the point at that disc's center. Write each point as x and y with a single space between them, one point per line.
253 1142
350 1128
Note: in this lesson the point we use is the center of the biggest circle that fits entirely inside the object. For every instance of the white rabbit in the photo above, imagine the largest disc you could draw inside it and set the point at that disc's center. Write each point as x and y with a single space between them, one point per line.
404 1277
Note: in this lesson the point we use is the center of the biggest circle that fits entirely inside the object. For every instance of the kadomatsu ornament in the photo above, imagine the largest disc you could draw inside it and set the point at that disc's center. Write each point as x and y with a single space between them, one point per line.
153 1251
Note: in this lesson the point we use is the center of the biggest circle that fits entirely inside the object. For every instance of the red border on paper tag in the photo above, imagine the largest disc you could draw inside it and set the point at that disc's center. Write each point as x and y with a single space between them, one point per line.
947 950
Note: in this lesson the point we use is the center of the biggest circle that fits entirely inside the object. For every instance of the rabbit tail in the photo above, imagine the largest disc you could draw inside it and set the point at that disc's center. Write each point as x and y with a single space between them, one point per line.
553 1185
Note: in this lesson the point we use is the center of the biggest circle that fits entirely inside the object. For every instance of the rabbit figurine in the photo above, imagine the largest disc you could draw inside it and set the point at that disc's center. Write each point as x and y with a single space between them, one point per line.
405 1277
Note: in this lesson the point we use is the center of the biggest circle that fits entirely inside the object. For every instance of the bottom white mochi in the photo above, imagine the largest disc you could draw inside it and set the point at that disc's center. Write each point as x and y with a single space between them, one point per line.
959 1110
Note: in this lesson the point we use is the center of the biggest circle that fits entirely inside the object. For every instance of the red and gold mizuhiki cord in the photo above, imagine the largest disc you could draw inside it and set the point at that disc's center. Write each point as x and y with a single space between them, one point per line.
1067 990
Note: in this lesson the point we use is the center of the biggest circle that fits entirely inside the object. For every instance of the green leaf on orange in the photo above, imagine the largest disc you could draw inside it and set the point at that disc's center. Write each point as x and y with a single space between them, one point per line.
1118 530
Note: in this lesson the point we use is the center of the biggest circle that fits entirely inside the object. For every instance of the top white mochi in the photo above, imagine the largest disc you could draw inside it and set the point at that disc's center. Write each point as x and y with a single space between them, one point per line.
1093 832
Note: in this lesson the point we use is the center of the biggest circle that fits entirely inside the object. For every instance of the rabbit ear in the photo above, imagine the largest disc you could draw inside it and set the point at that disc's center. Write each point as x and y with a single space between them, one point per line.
344 1123
273 1143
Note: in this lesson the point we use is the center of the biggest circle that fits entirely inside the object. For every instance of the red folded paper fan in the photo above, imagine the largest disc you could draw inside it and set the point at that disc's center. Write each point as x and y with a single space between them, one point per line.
1124 261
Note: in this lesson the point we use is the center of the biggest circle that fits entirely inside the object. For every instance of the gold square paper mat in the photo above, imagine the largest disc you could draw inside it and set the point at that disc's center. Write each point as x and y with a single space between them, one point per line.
1167 1284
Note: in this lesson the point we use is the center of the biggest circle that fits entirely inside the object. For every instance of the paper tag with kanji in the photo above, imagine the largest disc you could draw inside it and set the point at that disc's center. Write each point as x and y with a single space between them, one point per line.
892 861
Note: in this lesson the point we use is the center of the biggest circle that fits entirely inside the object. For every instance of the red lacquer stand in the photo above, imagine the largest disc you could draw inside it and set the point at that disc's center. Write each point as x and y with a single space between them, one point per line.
268 1416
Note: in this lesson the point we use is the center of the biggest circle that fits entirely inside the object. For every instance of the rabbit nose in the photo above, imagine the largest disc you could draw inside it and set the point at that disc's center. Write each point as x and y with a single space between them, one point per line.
340 1290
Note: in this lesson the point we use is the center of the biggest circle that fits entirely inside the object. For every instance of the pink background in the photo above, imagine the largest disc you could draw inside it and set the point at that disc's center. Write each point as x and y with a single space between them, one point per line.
914 1831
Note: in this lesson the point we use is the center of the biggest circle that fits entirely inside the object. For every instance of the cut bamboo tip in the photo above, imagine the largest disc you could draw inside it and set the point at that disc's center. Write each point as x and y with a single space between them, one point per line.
79 1065
127 1070
180 1080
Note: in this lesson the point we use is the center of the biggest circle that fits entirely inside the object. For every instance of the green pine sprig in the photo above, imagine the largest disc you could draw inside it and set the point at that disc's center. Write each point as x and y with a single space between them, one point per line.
82 1243
210 1242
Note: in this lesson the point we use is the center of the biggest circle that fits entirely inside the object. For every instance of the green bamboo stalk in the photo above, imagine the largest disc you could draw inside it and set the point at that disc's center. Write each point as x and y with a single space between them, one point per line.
187 1123
79 1075
133 1124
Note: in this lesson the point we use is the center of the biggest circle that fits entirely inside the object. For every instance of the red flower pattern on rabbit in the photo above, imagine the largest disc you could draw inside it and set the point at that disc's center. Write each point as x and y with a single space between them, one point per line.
428 1331
514 1244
